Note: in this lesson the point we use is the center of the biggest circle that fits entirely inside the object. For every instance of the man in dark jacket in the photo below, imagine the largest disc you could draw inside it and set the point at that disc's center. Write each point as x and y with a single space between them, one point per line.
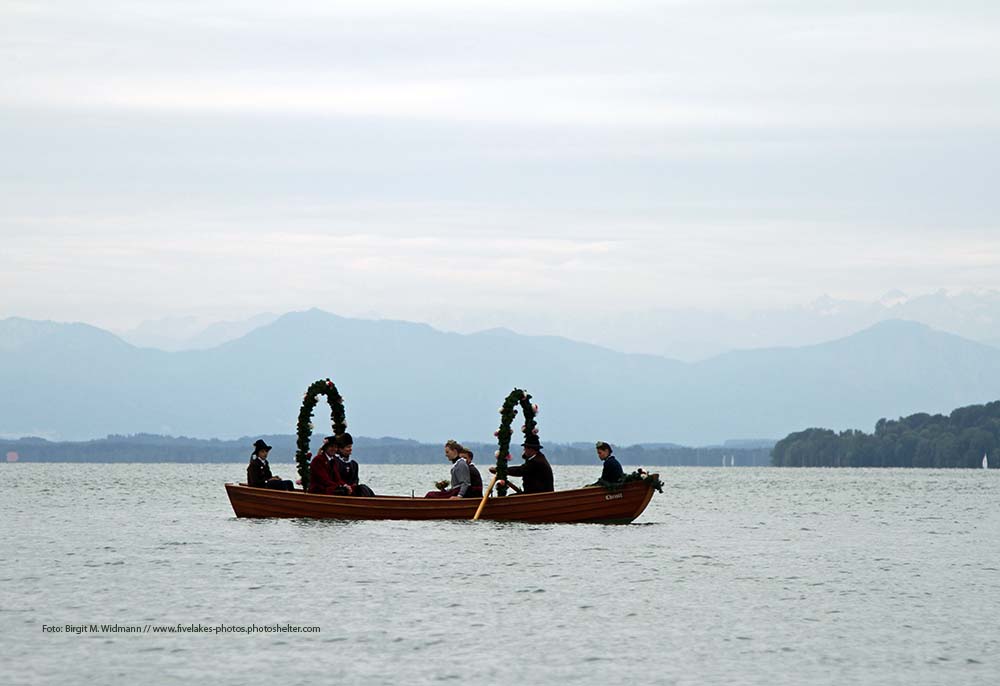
476 489
344 469
536 472
612 472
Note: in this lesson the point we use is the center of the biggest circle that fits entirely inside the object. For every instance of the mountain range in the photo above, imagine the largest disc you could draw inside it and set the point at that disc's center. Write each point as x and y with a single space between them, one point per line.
75 381
688 334
191 333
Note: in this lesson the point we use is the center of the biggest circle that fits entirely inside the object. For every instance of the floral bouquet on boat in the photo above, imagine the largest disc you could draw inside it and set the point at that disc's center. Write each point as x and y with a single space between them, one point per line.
638 475
442 484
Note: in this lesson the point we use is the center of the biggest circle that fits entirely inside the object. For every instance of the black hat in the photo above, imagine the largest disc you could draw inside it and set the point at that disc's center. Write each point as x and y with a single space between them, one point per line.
532 442
260 445
344 440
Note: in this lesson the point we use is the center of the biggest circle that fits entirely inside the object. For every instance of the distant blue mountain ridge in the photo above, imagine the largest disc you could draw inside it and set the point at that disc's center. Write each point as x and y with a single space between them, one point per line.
74 381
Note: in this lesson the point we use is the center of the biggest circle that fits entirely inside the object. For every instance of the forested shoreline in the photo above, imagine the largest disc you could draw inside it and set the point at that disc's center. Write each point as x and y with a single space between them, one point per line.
957 440
155 448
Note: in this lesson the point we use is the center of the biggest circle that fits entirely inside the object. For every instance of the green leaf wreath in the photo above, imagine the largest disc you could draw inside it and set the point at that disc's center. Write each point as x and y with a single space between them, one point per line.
639 475
507 414
304 428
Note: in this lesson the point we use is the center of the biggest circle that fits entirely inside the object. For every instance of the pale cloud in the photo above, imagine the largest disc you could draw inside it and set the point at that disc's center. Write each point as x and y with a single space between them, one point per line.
716 66
603 101
416 276
562 158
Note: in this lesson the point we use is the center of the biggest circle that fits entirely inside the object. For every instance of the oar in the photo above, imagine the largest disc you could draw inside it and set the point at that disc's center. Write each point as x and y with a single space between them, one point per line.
486 495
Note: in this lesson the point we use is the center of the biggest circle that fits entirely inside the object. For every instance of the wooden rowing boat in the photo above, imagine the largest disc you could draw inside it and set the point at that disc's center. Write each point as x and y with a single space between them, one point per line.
592 504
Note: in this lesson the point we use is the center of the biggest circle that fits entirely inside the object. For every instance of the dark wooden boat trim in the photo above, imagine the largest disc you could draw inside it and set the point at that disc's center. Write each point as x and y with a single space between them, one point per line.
591 504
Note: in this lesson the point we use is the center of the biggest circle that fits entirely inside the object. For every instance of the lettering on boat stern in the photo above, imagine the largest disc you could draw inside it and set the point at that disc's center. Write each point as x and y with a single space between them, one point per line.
614 496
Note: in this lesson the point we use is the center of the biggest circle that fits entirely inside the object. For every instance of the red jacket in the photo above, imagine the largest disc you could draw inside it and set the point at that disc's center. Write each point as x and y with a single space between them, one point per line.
323 479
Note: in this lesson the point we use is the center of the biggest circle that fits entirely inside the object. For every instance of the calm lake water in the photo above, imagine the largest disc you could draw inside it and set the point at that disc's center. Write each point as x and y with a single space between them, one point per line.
732 576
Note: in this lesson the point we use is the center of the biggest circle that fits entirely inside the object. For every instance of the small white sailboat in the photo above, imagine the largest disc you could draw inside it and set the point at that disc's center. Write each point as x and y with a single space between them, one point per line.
986 462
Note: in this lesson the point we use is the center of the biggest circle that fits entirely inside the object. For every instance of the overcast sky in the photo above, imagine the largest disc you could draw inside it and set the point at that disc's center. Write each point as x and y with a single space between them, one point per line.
465 163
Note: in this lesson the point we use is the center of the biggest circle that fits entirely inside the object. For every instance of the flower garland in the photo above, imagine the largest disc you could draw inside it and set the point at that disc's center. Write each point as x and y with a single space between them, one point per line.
641 474
507 414
304 428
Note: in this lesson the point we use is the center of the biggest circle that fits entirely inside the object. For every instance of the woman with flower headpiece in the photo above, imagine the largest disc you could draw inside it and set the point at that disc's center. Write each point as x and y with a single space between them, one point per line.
460 479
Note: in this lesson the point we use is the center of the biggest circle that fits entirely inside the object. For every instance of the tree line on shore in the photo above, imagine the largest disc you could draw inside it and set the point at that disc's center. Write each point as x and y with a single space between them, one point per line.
959 439
155 448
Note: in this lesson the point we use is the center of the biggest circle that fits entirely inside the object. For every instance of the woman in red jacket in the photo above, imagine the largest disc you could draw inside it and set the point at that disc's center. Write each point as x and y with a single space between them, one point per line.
333 472
321 471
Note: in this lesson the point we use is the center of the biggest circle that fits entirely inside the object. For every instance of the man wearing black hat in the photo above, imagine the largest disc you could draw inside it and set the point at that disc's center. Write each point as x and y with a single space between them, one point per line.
342 467
259 471
344 470
536 472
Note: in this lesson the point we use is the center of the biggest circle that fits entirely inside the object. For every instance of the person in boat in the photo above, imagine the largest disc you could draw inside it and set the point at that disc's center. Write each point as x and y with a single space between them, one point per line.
612 471
475 478
259 471
321 476
536 472
460 479
345 470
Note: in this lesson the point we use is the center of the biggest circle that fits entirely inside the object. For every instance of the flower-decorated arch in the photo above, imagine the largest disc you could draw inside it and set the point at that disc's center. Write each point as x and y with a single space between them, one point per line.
504 434
304 428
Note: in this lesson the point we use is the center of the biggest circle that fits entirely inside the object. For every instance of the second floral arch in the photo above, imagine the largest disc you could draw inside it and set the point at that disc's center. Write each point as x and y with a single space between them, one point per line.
517 400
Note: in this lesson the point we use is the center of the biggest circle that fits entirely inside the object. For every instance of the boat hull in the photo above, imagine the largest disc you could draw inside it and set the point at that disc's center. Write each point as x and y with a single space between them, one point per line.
592 504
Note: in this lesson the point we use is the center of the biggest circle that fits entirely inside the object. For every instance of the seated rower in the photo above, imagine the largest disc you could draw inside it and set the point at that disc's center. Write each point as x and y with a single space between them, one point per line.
345 470
259 471
460 479
475 478
612 471
536 472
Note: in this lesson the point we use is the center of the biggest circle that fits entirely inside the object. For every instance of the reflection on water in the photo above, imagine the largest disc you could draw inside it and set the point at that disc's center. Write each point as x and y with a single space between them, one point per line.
751 576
